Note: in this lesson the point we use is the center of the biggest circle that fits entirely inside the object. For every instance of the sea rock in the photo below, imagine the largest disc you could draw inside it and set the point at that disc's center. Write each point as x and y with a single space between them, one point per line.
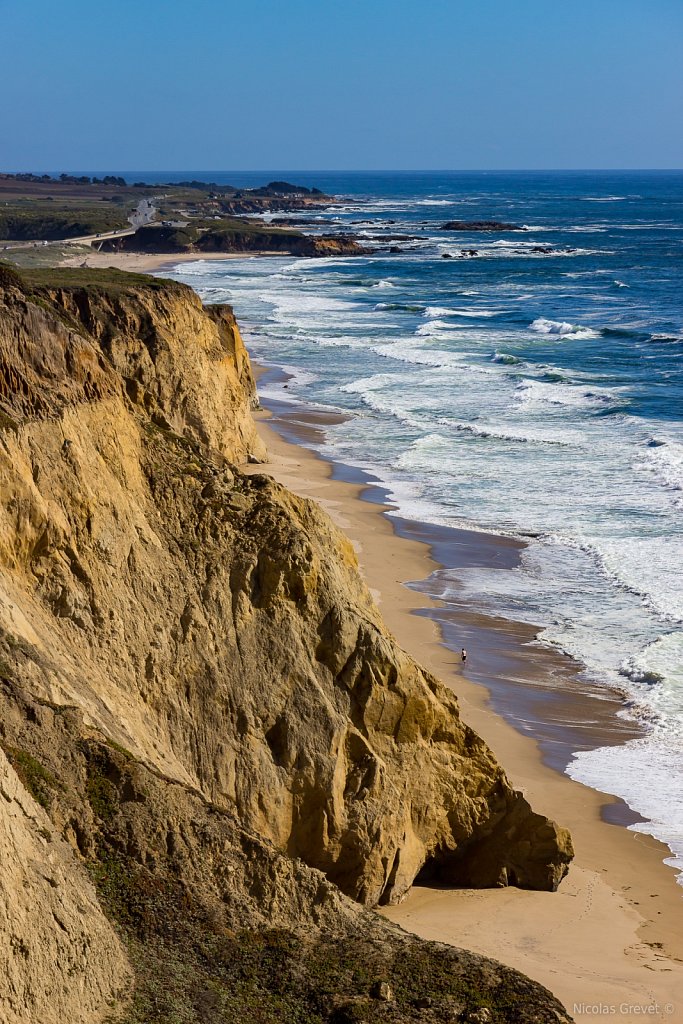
480 225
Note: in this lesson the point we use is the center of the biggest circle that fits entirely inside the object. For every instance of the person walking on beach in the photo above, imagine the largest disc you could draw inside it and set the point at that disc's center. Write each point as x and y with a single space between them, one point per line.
463 655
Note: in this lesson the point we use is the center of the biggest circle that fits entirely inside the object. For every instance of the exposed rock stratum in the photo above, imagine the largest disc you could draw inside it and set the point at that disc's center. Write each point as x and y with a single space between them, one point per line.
207 729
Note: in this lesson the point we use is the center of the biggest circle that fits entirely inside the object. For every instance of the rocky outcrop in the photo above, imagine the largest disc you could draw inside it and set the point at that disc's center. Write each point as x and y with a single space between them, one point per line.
480 225
190 651
60 959
218 924
238 237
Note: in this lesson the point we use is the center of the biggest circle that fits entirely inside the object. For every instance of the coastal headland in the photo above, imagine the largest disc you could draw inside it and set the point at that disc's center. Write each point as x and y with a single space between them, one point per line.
610 936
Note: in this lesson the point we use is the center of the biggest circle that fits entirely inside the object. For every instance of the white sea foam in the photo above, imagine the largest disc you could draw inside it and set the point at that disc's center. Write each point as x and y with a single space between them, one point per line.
375 392
505 358
536 393
651 567
664 459
441 311
498 433
409 352
383 307
339 341
563 329
434 328
647 773
660 662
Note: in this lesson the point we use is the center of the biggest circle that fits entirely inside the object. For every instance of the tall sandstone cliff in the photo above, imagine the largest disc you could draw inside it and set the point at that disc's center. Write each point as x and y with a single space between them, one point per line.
205 725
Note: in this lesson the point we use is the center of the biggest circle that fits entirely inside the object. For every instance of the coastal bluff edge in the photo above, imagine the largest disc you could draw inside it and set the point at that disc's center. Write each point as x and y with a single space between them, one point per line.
215 759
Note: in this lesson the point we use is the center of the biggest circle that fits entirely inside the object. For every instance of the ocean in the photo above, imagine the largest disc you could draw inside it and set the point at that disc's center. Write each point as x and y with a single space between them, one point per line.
529 386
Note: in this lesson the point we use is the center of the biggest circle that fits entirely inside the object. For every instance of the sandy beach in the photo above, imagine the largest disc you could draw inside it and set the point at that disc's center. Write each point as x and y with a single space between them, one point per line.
144 263
610 941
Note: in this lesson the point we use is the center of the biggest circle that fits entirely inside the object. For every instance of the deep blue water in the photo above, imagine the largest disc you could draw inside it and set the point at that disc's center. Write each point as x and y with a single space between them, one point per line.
517 390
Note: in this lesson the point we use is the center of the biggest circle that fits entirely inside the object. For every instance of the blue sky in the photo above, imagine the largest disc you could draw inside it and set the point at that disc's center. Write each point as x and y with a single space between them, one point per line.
341 84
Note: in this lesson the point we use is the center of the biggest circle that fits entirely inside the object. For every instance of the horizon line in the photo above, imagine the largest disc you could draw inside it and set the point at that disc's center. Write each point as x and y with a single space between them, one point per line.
366 170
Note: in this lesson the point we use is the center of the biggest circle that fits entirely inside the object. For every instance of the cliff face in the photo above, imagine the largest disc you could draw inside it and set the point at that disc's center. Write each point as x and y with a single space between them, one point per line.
196 683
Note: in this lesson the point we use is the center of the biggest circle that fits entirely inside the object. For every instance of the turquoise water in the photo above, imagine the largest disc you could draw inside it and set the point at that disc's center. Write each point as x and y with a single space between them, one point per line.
515 390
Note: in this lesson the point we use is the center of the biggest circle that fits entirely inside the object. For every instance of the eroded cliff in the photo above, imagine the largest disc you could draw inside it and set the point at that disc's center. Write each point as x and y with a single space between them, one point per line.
196 683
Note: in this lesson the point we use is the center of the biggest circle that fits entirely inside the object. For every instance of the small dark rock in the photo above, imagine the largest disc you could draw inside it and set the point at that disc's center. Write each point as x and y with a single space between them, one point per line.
480 225
382 990
424 1002
260 480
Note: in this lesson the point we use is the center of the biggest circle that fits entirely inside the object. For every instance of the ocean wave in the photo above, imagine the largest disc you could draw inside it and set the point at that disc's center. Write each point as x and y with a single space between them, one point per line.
504 250
623 331
437 312
590 229
409 352
382 307
494 433
664 459
586 229
434 327
649 567
602 199
435 202
667 339
563 329
506 358
658 664
376 393
647 774
532 393
341 341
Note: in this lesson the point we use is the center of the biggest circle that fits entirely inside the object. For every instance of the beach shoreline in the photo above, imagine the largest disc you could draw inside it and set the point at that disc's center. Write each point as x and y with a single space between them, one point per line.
612 936
613 933
147 263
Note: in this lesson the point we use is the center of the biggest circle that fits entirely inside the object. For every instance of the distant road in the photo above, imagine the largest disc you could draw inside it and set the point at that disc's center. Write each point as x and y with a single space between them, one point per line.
144 213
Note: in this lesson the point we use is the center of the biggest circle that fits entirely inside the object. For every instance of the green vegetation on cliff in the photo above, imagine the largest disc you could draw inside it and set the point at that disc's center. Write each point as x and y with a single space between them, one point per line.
26 225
